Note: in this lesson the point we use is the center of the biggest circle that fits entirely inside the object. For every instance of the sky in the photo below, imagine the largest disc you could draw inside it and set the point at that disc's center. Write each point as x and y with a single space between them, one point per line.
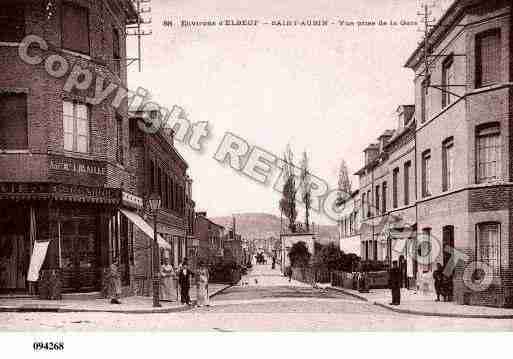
329 91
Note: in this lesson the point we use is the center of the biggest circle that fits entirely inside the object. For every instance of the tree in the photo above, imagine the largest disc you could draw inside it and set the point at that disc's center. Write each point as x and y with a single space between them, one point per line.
288 200
330 257
344 183
306 189
299 255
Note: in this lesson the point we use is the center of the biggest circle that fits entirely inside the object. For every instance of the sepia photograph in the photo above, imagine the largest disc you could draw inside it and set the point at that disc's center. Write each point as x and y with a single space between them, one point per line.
198 167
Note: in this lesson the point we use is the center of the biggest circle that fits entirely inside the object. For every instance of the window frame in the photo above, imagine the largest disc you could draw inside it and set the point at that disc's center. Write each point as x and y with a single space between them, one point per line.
395 188
488 130
407 172
21 13
426 174
498 250
75 131
479 82
384 190
447 168
63 22
120 152
24 98
447 76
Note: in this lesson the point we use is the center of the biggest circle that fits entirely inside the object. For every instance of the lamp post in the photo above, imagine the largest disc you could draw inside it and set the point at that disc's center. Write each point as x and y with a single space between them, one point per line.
154 203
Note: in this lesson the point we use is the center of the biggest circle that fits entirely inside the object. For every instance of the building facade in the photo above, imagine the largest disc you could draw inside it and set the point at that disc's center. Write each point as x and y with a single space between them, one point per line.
349 226
160 170
210 236
438 189
62 175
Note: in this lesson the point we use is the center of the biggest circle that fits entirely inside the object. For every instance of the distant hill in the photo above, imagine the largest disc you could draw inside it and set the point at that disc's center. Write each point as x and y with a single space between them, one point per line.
264 225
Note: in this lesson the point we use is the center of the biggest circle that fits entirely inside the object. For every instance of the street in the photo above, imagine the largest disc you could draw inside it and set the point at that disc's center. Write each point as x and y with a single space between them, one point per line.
266 301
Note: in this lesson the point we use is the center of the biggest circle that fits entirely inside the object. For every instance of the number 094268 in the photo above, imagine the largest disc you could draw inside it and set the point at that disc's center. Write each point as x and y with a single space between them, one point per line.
48 346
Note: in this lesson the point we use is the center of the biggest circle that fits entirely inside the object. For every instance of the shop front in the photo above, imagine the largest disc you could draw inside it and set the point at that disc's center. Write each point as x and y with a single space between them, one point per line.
55 238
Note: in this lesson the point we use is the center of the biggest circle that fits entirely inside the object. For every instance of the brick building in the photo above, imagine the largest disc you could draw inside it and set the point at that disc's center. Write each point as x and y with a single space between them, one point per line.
159 169
61 173
439 188
210 237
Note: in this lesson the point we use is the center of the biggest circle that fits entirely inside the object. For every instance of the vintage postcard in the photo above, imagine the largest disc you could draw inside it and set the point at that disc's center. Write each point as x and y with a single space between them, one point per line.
269 166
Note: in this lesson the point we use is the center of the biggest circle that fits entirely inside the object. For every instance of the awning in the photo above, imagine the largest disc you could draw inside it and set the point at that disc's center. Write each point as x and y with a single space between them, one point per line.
145 227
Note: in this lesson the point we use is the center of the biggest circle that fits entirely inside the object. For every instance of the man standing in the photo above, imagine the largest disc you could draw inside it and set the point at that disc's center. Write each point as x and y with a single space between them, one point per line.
184 279
395 284
438 276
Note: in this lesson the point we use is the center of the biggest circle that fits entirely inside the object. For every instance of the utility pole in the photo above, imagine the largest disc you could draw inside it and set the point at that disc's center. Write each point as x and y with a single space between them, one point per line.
138 31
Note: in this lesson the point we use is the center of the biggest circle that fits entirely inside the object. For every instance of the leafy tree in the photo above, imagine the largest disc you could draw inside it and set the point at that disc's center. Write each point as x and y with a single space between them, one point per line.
344 183
288 200
306 189
330 257
299 255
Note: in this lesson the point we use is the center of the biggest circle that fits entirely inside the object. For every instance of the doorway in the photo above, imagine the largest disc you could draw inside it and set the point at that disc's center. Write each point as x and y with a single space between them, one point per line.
79 254
448 251
15 250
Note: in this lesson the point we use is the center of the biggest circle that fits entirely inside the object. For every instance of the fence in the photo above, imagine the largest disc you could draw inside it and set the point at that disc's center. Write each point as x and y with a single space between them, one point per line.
340 279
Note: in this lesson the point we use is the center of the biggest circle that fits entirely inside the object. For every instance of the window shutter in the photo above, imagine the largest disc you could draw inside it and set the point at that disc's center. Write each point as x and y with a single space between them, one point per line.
75 28
488 54
13 122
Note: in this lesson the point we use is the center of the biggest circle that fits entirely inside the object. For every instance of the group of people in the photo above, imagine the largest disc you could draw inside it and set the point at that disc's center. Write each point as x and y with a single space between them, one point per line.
183 276
442 283
170 282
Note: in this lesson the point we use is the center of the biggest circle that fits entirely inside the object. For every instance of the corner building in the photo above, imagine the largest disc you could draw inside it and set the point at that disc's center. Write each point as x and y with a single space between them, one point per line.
63 157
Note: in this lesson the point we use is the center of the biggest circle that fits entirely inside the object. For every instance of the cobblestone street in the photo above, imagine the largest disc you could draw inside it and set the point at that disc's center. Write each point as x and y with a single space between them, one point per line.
265 301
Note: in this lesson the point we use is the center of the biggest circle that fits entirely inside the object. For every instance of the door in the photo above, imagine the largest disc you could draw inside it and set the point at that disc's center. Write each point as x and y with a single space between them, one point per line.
124 265
79 255
15 250
448 246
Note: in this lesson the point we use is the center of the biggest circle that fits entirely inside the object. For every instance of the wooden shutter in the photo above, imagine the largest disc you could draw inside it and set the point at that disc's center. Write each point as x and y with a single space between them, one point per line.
13 121
75 28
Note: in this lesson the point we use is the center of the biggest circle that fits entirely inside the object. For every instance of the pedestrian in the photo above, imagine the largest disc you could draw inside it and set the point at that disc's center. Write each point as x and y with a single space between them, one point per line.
290 274
438 277
202 286
184 280
114 284
394 283
167 281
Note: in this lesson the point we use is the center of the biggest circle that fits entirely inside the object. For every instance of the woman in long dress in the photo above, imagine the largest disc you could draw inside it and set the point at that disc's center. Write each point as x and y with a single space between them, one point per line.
167 281
202 287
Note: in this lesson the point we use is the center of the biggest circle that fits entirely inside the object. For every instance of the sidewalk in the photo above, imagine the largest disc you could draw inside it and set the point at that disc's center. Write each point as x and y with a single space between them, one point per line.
416 303
130 305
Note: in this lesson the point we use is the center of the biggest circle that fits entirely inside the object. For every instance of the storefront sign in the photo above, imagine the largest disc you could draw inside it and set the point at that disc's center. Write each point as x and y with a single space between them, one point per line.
77 166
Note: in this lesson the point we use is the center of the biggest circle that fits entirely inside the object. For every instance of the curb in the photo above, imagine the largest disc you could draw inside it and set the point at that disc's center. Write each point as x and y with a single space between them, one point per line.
36 309
221 290
360 297
443 315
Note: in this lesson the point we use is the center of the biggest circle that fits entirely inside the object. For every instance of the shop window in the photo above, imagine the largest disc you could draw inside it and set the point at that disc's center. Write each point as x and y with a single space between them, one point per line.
12 22
488 153
448 164
488 245
488 58
75 28
425 250
76 127
13 122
